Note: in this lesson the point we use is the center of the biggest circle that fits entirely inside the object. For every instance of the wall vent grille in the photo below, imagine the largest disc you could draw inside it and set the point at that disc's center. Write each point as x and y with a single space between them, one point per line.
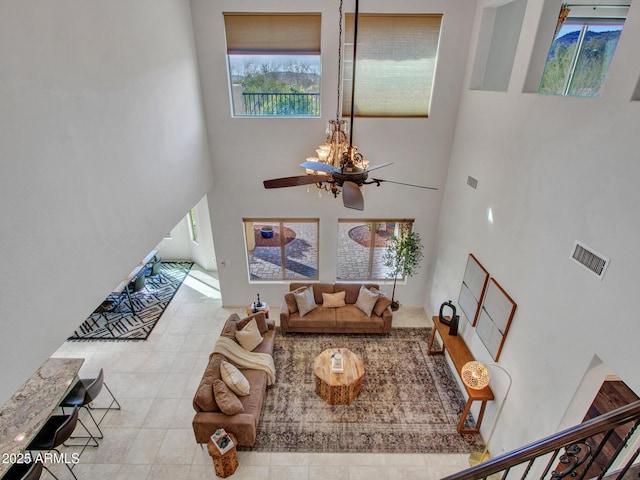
472 182
593 261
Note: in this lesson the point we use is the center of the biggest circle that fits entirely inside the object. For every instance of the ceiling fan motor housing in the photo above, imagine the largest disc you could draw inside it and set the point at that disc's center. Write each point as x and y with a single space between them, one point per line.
358 177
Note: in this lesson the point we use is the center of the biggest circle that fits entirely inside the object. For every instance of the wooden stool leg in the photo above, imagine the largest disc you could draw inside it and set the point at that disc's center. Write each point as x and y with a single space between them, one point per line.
224 464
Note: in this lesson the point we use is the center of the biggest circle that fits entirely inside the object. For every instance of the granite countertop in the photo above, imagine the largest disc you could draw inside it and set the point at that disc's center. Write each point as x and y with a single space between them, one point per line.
28 409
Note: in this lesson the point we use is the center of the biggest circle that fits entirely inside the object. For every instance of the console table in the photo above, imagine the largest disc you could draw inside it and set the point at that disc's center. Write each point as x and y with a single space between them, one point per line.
460 355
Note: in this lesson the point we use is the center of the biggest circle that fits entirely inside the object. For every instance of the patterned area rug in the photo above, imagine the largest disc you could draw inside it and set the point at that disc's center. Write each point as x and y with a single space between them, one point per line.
149 305
410 402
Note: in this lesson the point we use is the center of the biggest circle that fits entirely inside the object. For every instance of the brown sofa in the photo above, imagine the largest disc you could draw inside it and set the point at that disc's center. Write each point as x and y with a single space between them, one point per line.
346 319
208 416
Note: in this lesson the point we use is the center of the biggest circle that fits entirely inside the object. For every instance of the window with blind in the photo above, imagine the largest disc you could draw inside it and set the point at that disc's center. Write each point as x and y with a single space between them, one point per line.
282 249
193 230
361 248
582 50
395 64
274 63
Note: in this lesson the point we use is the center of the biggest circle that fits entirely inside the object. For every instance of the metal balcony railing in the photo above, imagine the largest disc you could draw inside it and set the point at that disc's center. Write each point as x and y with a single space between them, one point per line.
575 453
281 104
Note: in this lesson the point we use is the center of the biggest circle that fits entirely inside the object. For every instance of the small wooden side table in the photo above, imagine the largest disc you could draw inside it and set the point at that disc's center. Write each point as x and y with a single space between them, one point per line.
262 308
224 464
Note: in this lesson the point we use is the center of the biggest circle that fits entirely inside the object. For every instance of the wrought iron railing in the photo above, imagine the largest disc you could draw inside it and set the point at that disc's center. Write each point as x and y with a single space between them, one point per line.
575 453
281 104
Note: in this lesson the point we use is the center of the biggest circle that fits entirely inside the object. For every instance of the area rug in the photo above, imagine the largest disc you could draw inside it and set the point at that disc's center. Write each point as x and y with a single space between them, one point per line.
410 402
149 305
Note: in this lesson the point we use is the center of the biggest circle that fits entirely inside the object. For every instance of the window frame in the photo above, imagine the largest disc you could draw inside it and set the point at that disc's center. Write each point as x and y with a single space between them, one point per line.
193 229
372 107
371 256
248 227
584 18
272 35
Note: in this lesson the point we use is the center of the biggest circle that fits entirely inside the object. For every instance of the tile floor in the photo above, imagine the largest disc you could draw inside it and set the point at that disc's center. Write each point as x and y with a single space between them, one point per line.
151 437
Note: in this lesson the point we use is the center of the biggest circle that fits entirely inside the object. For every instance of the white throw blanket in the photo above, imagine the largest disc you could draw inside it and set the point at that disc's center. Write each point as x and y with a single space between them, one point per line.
246 359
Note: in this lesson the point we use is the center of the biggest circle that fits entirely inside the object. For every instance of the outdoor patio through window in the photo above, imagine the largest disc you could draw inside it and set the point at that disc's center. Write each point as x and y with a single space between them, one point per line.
270 240
361 248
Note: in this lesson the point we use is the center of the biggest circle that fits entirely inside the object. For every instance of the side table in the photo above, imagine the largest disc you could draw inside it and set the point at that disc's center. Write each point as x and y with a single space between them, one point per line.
460 354
224 464
262 308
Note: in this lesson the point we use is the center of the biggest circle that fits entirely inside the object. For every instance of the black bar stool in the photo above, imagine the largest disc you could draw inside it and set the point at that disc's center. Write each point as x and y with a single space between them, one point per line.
24 471
57 430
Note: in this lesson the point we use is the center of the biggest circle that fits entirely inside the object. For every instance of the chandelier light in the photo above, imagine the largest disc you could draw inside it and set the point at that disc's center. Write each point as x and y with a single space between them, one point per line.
338 150
338 167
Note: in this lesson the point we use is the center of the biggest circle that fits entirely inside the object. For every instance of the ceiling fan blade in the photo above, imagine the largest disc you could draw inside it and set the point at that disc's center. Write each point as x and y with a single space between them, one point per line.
318 166
294 181
405 184
376 167
352 196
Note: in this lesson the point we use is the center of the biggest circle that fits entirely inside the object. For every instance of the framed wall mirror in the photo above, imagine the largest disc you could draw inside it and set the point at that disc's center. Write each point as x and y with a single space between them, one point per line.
495 318
473 288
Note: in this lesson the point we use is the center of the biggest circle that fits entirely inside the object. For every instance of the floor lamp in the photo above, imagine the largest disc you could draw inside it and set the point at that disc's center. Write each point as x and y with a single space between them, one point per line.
476 375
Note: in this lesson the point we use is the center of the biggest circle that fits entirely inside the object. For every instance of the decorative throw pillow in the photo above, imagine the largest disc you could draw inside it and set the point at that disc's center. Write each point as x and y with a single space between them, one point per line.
204 398
260 318
305 300
249 337
382 303
366 300
290 299
227 401
234 379
333 300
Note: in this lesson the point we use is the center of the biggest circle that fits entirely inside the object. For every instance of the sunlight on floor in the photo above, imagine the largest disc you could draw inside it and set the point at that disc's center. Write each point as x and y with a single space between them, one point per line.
203 282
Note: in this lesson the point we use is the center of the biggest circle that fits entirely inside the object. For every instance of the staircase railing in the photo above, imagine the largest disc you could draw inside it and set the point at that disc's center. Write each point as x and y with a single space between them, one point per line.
580 445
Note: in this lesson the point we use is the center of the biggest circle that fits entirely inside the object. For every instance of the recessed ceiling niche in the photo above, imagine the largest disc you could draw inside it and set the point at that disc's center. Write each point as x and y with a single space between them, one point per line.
498 37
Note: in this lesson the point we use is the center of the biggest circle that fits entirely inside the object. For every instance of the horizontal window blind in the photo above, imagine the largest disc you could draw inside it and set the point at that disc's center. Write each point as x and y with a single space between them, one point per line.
395 64
255 33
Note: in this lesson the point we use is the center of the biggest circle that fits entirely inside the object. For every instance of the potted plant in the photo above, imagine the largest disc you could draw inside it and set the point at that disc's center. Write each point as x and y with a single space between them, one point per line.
402 257
266 231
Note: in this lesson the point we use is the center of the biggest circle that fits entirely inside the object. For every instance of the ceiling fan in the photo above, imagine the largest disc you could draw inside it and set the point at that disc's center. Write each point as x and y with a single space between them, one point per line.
339 167
348 177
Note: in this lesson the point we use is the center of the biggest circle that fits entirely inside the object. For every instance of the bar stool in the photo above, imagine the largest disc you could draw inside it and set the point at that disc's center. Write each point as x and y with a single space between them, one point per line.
55 432
82 394
24 471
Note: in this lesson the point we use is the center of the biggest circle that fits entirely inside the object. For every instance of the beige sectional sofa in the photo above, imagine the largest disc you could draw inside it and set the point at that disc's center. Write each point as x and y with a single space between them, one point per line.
209 415
345 319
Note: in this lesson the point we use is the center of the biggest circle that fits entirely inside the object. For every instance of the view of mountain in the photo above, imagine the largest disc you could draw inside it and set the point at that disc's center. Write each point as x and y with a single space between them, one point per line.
564 74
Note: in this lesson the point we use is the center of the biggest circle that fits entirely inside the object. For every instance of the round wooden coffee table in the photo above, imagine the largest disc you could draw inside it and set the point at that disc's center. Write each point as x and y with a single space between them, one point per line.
338 388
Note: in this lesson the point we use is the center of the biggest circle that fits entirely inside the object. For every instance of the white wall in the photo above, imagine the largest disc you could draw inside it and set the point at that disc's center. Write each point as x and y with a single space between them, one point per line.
180 246
553 170
246 151
102 150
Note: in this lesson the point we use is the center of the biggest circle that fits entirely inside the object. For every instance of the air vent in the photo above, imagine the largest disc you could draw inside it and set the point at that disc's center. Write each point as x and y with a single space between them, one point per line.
590 259
472 182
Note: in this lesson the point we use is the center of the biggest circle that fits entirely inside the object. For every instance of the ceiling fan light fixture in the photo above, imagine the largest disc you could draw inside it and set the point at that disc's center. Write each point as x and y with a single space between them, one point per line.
339 168
338 151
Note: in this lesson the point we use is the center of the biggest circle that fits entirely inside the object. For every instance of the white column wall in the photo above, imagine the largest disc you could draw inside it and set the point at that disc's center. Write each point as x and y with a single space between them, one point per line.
102 151
247 151
553 170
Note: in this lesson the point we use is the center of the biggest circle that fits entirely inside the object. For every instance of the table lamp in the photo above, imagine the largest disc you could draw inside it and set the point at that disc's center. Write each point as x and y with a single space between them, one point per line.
476 375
